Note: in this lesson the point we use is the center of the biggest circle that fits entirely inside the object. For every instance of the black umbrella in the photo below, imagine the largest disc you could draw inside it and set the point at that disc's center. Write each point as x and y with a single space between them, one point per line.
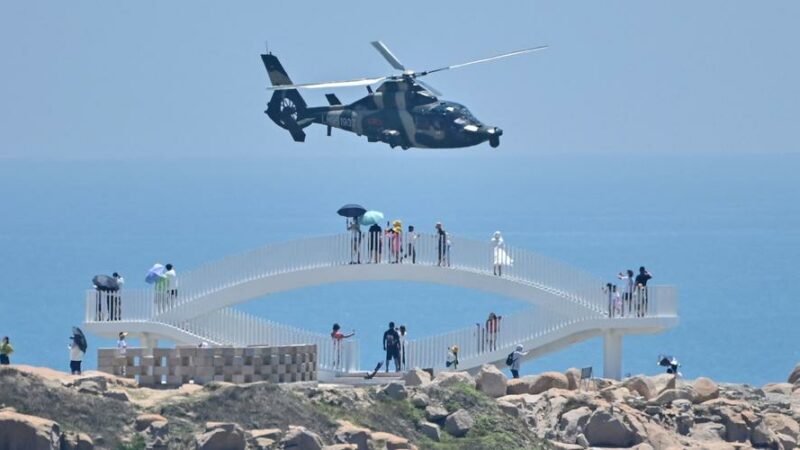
351 210
105 283
79 338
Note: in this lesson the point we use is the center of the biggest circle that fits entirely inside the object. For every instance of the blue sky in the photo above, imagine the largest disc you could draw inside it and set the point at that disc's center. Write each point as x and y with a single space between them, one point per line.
142 80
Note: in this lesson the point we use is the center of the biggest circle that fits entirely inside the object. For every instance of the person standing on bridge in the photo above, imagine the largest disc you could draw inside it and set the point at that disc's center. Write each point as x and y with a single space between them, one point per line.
375 243
338 337
641 288
441 243
411 239
627 292
172 282
391 344
492 328
403 338
516 360
500 257
355 240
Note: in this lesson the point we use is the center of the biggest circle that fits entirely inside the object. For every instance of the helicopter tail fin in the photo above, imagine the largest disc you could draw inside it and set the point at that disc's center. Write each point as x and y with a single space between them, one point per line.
286 107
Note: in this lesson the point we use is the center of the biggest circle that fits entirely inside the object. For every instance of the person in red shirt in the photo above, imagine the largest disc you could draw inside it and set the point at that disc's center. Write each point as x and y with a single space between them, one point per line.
338 337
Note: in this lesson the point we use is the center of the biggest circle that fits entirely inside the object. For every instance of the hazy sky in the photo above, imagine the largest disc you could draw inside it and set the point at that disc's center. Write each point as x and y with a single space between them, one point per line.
157 79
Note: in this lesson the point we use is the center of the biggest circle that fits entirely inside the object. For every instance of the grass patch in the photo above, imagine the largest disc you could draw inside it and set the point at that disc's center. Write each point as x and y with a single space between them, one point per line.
136 444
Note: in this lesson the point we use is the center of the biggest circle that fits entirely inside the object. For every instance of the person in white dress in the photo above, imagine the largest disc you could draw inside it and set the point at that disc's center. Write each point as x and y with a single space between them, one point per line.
122 350
500 257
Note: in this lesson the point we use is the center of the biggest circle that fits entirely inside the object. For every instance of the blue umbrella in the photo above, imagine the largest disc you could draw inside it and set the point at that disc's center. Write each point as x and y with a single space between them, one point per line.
155 273
371 218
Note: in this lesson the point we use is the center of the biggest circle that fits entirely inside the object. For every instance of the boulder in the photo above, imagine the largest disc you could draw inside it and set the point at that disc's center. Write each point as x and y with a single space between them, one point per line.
706 389
435 413
157 435
661 439
573 378
300 438
117 394
508 408
221 436
573 422
347 433
781 424
420 400
604 429
778 388
670 395
449 379
491 381
762 436
389 441
547 381
76 441
517 386
643 386
143 421
336 447
736 428
794 377
430 430
93 385
615 394
417 377
708 432
23 432
662 382
394 391
459 423
787 441
520 399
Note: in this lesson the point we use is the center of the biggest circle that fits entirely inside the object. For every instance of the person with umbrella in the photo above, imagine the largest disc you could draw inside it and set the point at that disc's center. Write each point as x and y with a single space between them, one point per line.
77 349
104 284
156 276
374 240
352 213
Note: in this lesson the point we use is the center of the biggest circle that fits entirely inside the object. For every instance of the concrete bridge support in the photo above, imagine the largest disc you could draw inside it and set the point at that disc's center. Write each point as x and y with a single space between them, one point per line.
612 355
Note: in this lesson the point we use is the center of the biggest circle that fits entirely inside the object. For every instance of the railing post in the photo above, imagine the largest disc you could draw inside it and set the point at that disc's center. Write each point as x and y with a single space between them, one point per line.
612 355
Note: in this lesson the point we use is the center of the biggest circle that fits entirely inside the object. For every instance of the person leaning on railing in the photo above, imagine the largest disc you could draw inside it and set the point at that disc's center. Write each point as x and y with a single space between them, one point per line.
338 337
641 288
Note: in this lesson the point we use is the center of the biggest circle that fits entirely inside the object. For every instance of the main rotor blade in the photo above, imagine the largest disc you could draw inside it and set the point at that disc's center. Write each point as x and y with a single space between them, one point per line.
492 58
429 88
384 50
328 84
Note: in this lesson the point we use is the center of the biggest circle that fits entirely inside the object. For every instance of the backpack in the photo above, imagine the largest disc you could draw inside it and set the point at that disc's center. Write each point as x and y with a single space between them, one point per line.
510 359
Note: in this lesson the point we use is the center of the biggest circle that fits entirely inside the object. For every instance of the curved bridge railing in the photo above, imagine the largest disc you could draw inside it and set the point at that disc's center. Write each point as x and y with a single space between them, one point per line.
573 305
528 268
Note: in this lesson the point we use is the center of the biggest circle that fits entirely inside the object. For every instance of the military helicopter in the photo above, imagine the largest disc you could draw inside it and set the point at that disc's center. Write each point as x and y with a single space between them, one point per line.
403 111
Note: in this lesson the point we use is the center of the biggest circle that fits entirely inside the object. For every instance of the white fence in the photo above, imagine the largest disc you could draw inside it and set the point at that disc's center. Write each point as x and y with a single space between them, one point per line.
231 327
527 267
519 328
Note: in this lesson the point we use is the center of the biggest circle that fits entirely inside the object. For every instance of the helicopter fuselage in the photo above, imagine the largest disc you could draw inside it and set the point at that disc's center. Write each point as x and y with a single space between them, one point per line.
403 114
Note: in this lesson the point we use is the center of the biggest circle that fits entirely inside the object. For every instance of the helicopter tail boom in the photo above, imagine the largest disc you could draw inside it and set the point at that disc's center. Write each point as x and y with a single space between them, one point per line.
286 107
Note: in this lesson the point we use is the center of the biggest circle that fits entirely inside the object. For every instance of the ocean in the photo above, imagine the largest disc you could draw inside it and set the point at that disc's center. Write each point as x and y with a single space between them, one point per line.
725 229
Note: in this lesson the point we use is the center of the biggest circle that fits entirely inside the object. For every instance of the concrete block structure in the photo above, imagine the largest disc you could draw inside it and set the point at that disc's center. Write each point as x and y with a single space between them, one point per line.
176 366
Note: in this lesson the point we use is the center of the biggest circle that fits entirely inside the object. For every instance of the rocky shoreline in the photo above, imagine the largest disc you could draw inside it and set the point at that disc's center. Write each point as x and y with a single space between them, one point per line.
46 409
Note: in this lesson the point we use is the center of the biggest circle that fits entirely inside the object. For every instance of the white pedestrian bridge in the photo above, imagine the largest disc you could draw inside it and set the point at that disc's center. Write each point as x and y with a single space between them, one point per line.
567 304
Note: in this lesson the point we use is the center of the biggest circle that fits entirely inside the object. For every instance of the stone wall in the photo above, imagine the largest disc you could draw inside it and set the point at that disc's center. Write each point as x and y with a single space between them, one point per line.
175 366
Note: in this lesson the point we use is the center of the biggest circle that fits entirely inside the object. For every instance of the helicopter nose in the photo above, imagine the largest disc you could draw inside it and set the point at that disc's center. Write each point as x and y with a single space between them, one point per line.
492 131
